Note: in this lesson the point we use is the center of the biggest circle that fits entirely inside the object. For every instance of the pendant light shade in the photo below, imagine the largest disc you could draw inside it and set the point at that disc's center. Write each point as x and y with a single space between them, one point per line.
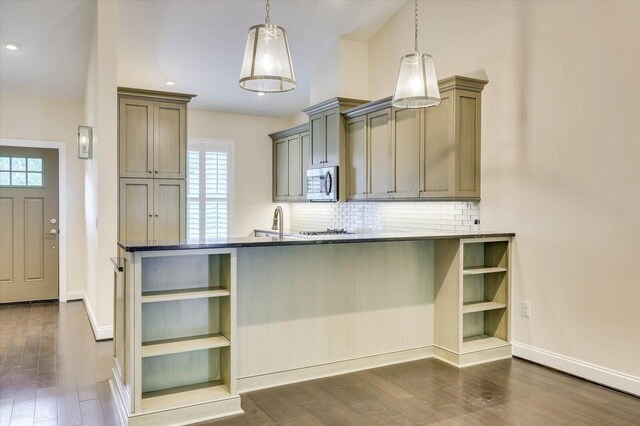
417 85
267 64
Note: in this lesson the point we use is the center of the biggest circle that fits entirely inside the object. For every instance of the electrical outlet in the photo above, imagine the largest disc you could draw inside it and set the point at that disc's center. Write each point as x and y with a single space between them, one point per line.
526 309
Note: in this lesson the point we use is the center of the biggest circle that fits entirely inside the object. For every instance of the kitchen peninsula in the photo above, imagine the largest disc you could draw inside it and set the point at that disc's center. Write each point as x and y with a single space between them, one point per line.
198 322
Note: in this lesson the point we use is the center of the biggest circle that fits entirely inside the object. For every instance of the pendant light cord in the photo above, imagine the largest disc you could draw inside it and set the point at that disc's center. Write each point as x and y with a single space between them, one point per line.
266 19
416 34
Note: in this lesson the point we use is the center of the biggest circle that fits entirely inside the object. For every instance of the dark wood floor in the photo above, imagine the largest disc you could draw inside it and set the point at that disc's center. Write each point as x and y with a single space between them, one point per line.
52 372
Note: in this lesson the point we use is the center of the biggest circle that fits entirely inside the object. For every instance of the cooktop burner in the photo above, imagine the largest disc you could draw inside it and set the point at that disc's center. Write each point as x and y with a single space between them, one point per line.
327 232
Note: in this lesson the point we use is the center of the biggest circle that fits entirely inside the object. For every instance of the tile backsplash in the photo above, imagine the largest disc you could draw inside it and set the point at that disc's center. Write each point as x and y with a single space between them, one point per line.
386 216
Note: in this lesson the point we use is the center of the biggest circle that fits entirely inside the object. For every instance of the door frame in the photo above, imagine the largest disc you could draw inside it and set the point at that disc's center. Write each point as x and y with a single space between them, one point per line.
62 202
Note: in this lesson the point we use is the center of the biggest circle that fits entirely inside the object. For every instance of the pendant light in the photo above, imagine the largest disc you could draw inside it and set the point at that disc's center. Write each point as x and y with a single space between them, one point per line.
417 85
267 67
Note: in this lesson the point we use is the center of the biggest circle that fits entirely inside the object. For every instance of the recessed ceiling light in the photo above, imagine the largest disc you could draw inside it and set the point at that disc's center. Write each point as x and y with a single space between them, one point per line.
11 46
260 93
170 83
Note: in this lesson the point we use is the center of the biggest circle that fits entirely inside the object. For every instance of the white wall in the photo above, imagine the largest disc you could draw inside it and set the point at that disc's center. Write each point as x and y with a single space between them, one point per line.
101 172
252 181
47 119
560 156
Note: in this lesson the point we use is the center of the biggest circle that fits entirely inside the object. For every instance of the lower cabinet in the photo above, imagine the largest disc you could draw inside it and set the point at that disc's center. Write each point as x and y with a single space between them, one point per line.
472 300
152 209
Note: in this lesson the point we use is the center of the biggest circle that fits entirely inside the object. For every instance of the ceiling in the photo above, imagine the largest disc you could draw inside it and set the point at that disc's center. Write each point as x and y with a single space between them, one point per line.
200 45
55 40
197 43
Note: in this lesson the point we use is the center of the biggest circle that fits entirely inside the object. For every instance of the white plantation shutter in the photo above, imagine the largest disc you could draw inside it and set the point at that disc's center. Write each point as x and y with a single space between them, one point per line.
208 191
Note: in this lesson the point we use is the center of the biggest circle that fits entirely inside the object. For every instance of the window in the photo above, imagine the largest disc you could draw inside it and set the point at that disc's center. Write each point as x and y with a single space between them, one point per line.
21 171
208 190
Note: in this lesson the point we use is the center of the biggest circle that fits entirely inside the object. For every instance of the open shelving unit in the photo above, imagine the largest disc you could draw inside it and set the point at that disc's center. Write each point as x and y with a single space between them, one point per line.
185 332
485 294
472 303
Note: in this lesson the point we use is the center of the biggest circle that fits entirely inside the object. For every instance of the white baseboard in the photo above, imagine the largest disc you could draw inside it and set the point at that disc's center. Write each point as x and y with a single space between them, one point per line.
100 333
251 383
594 373
75 295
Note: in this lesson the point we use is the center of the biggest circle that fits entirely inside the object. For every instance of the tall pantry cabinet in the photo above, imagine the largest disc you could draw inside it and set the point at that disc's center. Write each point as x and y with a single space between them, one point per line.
152 160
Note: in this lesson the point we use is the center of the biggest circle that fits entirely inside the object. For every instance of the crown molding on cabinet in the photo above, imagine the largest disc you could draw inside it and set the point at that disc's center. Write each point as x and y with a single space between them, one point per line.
155 95
342 103
301 128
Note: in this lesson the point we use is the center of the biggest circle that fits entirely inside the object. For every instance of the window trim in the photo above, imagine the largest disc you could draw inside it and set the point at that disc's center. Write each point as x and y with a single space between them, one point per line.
231 173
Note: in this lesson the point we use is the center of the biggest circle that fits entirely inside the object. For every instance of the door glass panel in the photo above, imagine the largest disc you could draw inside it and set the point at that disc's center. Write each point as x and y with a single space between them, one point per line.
34 179
21 171
34 164
18 164
18 179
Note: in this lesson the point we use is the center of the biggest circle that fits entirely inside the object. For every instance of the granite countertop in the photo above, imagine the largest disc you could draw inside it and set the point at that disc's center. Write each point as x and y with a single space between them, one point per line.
298 240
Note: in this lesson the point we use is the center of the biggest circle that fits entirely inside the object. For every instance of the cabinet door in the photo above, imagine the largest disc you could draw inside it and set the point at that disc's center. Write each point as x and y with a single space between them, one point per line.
406 152
467 179
281 167
379 146
332 137
295 167
136 209
305 143
356 158
318 142
170 140
169 211
439 149
135 138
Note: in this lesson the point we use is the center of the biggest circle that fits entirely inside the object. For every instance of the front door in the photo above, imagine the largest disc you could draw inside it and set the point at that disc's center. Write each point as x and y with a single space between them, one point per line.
29 224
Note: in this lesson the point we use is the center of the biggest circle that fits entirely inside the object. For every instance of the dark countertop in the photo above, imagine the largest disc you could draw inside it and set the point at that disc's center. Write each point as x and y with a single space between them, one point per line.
295 240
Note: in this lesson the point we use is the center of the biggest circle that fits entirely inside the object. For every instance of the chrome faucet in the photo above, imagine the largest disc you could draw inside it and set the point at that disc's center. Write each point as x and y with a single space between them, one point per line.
278 218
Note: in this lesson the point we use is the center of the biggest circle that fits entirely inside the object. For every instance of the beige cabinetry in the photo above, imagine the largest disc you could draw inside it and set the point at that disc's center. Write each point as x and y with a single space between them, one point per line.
433 153
379 150
406 152
152 139
152 209
291 159
452 141
152 145
356 161
472 300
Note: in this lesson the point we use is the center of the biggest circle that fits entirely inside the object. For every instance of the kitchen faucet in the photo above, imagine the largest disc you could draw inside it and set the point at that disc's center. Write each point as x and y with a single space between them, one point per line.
278 218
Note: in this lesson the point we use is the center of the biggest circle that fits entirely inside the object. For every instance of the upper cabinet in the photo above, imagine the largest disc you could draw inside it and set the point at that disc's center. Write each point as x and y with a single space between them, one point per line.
326 128
417 154
152 134
291 159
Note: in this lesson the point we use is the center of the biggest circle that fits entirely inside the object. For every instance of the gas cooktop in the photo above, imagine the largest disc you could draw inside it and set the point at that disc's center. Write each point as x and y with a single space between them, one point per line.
327 232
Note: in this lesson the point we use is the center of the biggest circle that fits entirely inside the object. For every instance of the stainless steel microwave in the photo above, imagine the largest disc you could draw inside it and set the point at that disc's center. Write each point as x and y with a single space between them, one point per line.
322 184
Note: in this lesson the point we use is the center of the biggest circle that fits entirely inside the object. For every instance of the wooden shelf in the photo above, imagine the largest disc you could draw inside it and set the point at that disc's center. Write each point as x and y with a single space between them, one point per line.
479 343
470 307
475 270
184 395
183 294
174 346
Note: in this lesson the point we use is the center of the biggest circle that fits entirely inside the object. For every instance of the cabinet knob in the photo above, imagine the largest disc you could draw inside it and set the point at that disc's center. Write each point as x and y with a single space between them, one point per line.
150 215
150 171
156 171
156 215
364 193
